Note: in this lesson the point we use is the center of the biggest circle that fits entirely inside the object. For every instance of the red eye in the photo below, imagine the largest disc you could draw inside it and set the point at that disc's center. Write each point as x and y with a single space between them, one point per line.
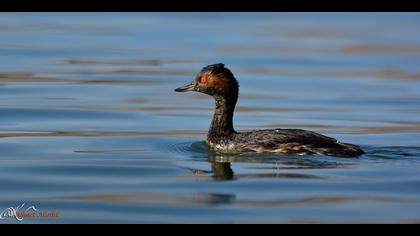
202 80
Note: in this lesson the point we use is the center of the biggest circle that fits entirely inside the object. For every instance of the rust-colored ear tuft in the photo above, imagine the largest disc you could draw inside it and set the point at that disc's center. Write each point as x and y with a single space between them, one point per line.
221 84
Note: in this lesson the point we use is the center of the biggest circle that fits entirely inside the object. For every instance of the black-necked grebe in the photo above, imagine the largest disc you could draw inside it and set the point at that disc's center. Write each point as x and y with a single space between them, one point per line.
218 81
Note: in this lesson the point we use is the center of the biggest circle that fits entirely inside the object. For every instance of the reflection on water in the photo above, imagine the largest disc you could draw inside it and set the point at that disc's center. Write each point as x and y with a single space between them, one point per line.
90 125
221 164
222 170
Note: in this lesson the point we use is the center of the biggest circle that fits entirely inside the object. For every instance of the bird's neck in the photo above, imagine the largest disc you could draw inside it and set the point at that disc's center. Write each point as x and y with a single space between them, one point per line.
222 124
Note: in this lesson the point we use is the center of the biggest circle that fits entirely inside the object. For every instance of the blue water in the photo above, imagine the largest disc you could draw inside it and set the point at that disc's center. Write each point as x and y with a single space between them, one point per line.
90 126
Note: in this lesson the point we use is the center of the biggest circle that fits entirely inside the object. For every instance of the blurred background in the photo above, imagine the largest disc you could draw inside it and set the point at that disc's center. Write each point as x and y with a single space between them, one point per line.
90 125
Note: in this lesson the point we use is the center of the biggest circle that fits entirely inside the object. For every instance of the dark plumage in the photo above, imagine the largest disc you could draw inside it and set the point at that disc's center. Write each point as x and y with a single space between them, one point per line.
218 81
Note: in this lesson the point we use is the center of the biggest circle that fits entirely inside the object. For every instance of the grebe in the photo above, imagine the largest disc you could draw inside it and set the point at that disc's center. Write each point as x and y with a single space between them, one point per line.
218 81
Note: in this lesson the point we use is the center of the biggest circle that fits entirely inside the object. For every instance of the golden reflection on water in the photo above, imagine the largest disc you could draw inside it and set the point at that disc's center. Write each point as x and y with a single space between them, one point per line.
135 62
99 133
382 73
362 48
347 129
212 199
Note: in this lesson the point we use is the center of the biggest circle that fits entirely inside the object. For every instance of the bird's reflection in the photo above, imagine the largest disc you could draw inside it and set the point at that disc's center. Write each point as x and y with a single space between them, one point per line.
261 165
222 170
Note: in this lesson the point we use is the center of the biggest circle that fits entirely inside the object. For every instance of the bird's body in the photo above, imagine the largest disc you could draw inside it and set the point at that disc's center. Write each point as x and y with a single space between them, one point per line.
286 141
217 81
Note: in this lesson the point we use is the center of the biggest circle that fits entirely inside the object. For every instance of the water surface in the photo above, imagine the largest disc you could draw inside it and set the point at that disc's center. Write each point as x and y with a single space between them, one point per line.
90 126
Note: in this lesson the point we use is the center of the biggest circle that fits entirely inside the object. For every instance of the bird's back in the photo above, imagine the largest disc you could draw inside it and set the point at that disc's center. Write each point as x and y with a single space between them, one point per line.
294 141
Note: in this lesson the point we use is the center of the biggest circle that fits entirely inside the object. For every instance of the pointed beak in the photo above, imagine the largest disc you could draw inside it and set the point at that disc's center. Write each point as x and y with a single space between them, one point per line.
186 88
